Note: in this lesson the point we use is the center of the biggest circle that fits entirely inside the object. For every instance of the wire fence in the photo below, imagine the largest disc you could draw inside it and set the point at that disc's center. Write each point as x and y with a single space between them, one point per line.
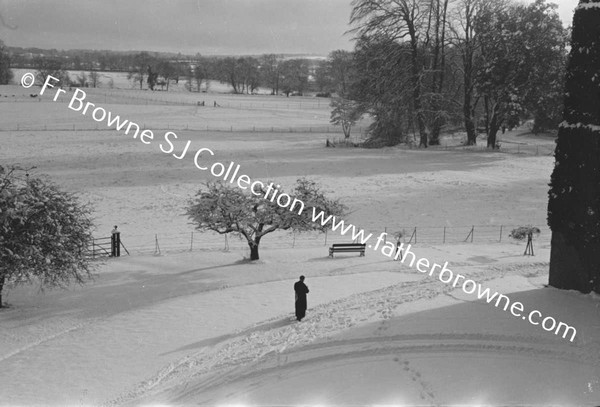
83 126
355 140
195 241
200 100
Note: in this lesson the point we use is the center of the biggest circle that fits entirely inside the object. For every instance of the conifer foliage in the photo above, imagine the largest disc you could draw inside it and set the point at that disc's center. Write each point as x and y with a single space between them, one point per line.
574 196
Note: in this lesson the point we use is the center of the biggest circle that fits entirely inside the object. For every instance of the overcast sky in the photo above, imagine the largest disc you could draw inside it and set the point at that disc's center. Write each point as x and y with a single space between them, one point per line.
186 26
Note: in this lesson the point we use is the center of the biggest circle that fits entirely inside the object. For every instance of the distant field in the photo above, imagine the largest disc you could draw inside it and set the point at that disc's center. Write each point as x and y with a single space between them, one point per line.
273 138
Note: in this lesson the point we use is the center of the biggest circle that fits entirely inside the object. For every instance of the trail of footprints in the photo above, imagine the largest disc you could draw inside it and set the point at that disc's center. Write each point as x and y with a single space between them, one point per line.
324 321
426 391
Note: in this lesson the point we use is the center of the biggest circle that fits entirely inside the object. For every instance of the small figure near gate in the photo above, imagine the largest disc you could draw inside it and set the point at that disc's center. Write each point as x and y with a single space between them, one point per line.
301 290
115 243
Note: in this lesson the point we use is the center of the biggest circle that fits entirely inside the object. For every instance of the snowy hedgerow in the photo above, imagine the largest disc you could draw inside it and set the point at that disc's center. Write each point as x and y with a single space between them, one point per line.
522 232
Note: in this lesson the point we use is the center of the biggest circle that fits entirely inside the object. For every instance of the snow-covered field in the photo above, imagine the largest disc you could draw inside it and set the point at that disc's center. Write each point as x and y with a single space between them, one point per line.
207 327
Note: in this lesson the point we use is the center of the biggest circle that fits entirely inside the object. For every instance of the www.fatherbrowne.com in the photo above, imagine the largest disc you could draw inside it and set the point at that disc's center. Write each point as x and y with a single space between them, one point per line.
447 276
389 249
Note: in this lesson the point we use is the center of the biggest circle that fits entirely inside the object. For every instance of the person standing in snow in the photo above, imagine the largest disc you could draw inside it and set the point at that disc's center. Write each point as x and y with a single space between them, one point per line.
301 290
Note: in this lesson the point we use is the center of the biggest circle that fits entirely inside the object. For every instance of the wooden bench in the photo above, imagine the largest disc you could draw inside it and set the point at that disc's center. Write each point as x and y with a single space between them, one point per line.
347 248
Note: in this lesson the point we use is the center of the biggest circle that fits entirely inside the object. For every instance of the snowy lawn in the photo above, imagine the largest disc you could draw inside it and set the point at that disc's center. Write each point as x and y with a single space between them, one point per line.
207 327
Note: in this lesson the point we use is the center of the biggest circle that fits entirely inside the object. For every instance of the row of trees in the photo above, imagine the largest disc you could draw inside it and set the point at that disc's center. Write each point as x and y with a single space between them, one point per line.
84 60
244 74
419 65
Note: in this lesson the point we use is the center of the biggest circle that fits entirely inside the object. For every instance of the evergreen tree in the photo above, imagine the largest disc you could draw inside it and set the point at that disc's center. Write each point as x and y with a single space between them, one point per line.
574 197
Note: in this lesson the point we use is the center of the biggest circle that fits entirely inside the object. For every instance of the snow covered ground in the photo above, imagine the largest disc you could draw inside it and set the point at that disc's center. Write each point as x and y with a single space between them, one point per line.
207 327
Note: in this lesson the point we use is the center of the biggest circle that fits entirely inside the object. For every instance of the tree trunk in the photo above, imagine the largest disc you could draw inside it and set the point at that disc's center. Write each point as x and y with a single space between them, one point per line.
346 129
468 118
416 82
439 73
574 197
570 267
254 248
492 128
468 87
2 280
254 252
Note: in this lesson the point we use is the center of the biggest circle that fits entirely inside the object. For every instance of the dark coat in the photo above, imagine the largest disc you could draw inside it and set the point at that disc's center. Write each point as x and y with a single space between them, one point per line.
301 290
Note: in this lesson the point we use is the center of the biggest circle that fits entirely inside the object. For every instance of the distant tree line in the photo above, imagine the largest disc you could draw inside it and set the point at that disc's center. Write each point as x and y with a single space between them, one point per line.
420 66
245 74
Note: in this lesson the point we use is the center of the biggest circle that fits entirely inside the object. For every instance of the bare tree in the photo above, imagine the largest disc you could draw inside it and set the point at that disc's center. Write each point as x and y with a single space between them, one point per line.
139 69
51 66
345 113
465 38
294 76
403 21
270 71
94 79
226 210
436 42
340 65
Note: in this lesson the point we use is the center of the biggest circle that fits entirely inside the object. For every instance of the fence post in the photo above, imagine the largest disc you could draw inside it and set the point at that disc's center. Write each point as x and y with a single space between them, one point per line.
472 233
156 247
191 241
294 238
500 241
444 241
226 244
414 234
